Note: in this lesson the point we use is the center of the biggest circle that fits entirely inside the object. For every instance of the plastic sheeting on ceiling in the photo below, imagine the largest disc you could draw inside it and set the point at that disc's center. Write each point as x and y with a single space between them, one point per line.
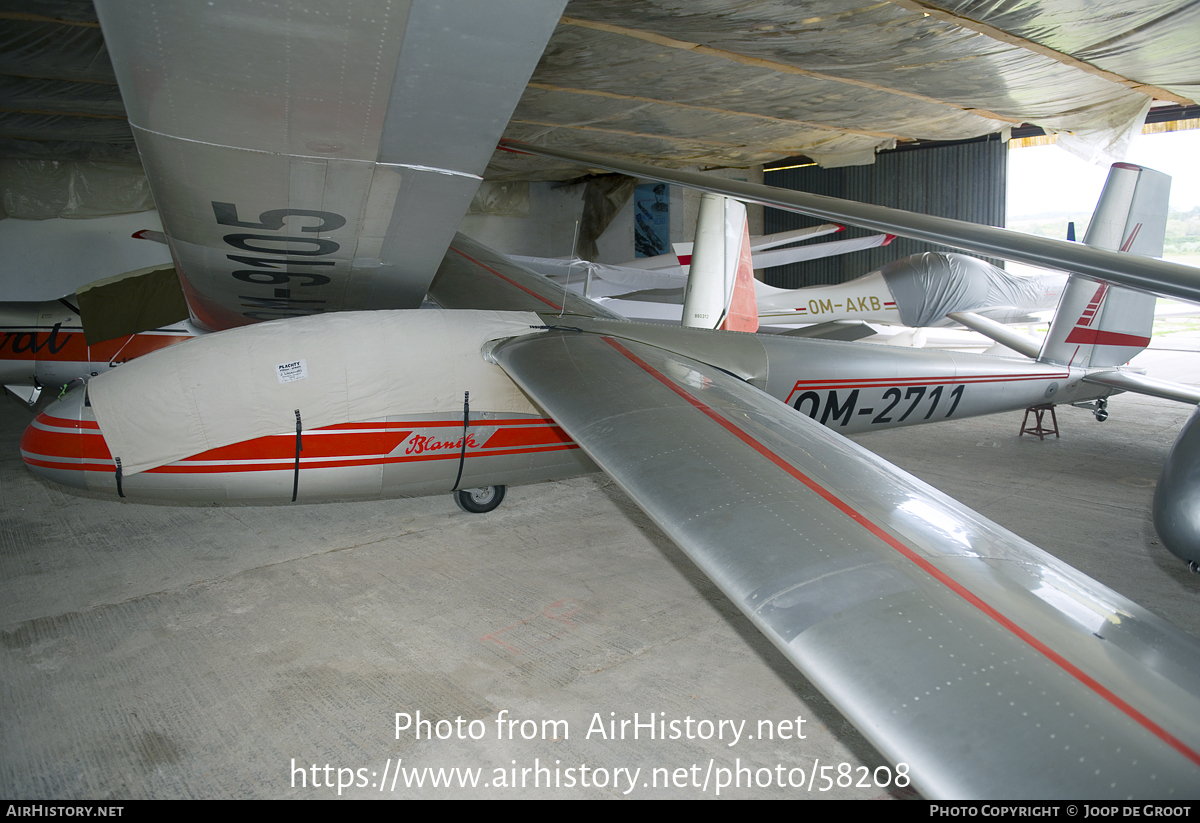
720 82
58 94
739 82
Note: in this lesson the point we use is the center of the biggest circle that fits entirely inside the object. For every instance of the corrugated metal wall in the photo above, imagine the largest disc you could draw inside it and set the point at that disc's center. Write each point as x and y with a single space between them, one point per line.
965 181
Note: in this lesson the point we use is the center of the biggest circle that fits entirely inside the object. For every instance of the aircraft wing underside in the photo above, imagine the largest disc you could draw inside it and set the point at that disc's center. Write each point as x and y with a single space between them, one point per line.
982 663
307 158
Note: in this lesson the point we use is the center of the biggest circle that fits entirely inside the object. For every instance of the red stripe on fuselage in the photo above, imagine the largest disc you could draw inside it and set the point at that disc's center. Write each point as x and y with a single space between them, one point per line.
316 444
288 465
71 347
528 437
80 446
64 423
947 380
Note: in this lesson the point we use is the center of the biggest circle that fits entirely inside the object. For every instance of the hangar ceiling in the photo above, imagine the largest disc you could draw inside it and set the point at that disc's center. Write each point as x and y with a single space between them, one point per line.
718 82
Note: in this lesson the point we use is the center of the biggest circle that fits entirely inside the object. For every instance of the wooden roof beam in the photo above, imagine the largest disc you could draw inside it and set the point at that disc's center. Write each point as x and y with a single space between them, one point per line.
713 109
658 39
666 138
1156 92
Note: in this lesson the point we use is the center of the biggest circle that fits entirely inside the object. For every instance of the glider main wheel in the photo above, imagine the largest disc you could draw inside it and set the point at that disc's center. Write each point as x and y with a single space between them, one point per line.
481 500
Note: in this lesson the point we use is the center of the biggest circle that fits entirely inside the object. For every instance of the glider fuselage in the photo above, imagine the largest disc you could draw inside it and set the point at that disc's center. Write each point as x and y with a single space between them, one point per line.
847 387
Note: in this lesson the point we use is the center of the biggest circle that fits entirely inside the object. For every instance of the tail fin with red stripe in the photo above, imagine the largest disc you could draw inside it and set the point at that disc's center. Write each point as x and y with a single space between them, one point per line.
720 290
1101 325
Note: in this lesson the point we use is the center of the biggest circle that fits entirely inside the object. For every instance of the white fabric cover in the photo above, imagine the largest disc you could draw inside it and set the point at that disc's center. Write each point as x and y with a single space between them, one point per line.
224 388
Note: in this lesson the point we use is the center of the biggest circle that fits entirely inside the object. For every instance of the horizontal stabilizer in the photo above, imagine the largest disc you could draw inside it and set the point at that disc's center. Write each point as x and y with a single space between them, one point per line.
670 296
1140 383
1002 334
152 235
26 394
671 270
834 330
574 270
683 250
817 251
770 241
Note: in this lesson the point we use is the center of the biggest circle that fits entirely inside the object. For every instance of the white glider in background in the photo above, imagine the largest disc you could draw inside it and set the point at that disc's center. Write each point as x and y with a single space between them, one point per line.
917 291
670 271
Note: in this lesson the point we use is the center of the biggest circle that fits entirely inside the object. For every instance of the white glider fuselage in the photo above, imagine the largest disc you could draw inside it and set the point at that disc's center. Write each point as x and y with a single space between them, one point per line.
864 298
847 387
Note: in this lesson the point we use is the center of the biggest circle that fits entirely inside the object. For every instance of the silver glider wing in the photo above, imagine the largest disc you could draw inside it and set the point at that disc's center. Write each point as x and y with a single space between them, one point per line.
982 664
306 158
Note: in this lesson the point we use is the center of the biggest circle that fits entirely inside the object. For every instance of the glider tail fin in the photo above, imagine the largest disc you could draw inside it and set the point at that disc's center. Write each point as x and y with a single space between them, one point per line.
1102 325
720 290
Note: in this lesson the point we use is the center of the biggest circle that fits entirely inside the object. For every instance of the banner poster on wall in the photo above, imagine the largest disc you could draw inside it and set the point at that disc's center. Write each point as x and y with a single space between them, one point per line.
652 219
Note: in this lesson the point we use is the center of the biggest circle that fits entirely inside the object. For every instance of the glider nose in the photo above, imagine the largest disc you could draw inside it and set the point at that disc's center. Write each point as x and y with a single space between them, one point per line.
63 443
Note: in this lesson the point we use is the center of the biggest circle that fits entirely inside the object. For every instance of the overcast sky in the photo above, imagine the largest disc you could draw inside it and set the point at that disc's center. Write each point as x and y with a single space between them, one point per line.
1046 179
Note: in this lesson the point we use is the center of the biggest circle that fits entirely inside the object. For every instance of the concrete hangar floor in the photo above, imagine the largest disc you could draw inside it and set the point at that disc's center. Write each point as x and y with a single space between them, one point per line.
237 651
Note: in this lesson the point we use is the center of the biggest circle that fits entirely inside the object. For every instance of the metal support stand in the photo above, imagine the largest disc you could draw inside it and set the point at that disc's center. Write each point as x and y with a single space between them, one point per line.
1038 429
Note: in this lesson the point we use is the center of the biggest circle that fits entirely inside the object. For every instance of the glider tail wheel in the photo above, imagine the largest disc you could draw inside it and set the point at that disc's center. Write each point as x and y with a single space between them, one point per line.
478 501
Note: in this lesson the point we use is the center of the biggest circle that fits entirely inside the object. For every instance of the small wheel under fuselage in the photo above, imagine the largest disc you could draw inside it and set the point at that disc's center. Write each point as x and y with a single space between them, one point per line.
478 501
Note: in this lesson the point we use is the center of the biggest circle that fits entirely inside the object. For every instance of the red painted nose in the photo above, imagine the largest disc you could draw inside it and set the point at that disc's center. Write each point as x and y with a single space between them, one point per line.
62 447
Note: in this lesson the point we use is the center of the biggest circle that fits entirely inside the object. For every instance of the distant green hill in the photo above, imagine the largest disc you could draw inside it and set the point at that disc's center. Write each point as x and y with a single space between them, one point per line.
1183 232
1183 229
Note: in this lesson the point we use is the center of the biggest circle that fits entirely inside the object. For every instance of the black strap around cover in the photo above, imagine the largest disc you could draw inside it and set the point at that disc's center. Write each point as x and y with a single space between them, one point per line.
462 455
299 448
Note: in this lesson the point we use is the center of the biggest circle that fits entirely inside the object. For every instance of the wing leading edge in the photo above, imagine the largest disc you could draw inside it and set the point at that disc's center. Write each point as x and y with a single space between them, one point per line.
982 663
